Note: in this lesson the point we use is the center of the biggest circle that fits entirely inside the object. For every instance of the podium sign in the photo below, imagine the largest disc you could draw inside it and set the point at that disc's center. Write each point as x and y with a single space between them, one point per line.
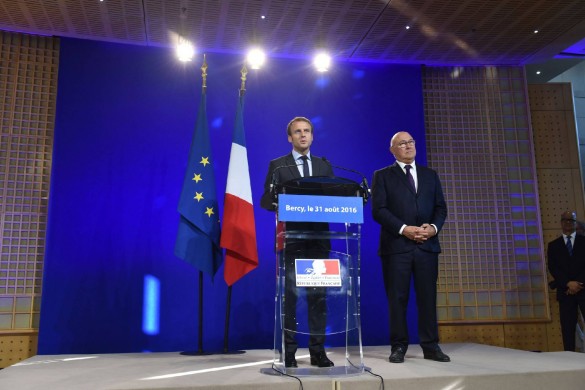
319 208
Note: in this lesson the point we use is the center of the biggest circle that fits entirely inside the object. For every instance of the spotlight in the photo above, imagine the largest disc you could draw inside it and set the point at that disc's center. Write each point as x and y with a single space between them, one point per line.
185 51
538 72
322 62
256 58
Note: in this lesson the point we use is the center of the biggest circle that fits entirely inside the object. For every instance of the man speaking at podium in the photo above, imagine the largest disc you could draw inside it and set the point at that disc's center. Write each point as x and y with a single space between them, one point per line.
407 200
300 163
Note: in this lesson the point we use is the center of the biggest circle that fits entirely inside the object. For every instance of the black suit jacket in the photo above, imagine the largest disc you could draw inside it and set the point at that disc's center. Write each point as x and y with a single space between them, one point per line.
283 169
564 267
395 204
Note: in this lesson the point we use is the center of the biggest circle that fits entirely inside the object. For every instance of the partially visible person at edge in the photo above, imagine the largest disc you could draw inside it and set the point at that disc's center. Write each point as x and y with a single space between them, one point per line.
411 212
299 163
566 263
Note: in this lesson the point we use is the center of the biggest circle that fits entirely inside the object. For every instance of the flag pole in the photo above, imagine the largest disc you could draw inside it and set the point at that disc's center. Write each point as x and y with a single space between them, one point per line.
200 333
243 72
200 350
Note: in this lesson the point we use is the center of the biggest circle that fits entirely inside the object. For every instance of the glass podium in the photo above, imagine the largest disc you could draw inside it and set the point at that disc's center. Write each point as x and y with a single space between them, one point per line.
317 300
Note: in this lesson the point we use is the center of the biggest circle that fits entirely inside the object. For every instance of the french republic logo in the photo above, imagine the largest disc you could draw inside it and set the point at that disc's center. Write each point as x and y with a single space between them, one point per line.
317 273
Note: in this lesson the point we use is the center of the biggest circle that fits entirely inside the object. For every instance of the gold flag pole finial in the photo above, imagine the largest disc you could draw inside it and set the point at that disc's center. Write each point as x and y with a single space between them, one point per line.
244 72
204 73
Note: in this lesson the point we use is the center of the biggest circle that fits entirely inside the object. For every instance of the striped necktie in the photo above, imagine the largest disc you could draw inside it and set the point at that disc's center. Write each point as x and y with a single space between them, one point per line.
409 177
305 166
569 246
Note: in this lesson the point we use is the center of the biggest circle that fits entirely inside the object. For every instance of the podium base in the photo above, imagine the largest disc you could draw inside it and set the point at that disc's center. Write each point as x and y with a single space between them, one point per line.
315 371
203 353
196 353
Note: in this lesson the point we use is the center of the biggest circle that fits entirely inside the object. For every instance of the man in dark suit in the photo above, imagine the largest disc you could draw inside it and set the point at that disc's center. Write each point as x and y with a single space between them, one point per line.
566 263
300 163
407 200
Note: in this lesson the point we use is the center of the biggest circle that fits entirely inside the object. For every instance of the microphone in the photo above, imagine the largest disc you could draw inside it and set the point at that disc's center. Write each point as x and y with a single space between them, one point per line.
365 188
274 181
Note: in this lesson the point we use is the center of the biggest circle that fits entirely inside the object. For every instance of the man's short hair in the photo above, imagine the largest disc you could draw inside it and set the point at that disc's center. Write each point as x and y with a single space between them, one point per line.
298 119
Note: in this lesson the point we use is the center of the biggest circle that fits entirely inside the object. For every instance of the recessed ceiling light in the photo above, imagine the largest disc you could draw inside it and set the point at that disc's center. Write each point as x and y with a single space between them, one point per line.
408 27
538 72
536 31
263 17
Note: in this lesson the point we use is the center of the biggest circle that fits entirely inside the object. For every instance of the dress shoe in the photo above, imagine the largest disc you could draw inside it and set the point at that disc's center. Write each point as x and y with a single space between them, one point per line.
397 355
436 354
290 361
320 359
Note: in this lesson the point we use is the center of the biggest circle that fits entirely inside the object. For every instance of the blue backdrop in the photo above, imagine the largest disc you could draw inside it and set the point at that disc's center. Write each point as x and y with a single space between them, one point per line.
125 118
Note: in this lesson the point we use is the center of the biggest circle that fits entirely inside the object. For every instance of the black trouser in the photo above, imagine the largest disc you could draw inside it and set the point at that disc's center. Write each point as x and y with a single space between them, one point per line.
398 270
316 299
568 306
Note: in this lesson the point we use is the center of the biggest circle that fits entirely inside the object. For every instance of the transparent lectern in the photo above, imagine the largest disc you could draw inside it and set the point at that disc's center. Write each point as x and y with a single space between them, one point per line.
318 231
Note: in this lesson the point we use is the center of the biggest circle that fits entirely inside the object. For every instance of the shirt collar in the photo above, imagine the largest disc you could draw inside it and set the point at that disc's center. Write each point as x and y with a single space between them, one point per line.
401 164
297 155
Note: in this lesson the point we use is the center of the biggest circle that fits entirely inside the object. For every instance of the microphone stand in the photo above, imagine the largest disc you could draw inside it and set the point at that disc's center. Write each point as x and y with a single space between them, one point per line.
366 192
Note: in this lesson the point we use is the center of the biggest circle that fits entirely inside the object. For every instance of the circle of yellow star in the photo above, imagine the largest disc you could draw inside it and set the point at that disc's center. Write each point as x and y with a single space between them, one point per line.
209 211
197 177
198 196
204 161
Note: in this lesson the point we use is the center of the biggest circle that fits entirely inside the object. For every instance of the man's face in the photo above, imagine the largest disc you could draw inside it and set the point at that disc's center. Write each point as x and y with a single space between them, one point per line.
568 222
301 136
403 147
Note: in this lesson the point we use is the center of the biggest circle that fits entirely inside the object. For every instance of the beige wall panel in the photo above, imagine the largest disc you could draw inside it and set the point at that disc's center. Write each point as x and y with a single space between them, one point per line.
559 190
553 131
482 334
553 329
15 348
551 96
577 182
529 337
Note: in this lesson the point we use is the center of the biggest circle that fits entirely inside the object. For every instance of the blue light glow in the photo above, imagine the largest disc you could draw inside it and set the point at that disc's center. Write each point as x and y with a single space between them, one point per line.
151 306
322 81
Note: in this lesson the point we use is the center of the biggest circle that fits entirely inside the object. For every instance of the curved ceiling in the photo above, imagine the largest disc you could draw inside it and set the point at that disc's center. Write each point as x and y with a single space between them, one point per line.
472 32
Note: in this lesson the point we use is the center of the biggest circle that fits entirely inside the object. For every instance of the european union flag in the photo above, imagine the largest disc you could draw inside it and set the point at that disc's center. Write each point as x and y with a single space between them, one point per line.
199 230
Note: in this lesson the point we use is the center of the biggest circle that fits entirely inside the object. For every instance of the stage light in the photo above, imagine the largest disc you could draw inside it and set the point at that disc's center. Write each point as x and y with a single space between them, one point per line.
256 58
151 305
322 62
185 51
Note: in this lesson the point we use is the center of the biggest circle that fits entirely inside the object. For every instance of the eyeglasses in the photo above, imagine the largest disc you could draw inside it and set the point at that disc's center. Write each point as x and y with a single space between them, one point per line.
568 220
402 144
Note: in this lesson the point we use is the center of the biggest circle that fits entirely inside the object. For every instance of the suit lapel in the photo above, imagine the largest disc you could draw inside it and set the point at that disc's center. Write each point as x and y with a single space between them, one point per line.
316 163
294 171
395 168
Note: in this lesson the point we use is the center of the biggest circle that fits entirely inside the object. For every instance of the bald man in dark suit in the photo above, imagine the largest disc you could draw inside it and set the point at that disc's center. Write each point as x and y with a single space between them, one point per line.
566 262
408 203
300 163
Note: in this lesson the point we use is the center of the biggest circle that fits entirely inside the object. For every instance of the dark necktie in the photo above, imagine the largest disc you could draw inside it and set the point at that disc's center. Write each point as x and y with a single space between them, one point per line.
569 246
305 166
409 177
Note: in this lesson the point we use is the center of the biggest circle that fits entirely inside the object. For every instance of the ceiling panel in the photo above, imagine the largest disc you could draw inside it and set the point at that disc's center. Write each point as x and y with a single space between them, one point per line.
441 31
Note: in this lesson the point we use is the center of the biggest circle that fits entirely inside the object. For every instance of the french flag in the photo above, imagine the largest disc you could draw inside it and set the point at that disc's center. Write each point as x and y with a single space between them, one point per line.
238 235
